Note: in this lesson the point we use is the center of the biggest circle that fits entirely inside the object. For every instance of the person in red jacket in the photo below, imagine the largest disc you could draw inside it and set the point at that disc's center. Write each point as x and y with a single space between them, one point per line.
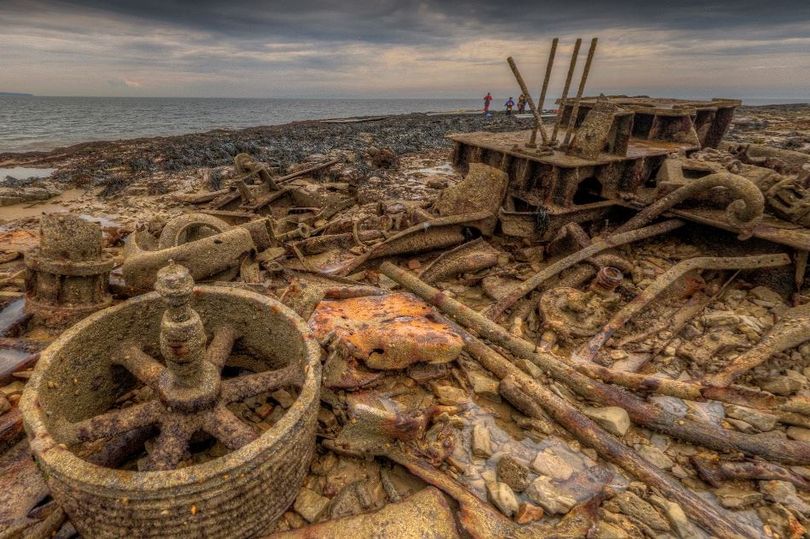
487 101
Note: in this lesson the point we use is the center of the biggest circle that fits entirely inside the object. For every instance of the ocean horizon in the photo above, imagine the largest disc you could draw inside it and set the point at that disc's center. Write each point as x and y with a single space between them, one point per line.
42 123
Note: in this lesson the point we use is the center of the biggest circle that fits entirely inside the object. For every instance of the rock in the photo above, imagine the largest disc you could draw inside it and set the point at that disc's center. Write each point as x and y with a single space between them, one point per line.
737 498
552 465
764 293
481 442
283 397
502 497
681 525
633 506
513 473
612 418
783 385
785 493
527 513
760 420
799 433
606 530
550 497
310 505
484 385
436 183
450 395
656 457
5 406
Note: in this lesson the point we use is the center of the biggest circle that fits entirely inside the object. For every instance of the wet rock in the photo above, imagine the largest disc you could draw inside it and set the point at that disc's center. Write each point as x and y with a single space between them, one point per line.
527 513
484 385
549 496
552 465
310 505
481 442
611 418
513 473
631 505
502 497
760 420
737 498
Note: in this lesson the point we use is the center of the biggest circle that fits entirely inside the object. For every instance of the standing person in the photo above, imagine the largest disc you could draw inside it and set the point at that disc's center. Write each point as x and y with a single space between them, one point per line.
487 101
509 104
522 103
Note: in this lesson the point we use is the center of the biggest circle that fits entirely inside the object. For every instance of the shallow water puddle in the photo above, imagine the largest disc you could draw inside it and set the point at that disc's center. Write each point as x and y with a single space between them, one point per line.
11 315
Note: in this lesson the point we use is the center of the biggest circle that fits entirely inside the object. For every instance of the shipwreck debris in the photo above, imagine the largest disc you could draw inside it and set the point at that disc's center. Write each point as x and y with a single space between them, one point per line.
66 403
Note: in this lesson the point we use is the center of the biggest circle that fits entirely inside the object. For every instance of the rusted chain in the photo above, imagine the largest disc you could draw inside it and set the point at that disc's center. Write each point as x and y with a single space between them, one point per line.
588 351
597 246
641 412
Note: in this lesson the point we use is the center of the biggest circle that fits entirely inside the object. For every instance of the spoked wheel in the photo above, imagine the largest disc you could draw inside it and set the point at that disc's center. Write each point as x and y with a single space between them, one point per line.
70 407
190 393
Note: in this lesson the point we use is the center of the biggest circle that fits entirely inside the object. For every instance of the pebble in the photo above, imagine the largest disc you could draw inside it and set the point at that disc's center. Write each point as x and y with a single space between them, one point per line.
606 530
5 406
481 442
760 420
527 513
513 473
785 493
737 498
484 385
550 464
549 496
310 505
502 496
450 395
798 433
783 385
612 418
656 457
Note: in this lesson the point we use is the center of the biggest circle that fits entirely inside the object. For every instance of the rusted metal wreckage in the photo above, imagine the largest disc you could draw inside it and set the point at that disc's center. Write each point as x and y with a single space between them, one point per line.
161 372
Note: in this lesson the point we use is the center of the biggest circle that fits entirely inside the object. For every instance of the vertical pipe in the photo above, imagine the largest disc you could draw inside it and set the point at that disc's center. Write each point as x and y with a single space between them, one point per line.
575 108
539 125
564 96
523 88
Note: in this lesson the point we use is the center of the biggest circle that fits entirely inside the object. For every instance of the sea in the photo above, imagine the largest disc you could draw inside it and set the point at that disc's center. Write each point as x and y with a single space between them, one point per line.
38 123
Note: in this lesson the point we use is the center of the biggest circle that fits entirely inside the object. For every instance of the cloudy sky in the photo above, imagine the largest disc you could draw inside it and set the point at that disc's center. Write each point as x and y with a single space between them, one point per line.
399 48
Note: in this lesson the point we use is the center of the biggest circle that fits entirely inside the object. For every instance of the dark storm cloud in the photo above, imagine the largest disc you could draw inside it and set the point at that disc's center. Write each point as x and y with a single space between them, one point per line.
396 47
415 22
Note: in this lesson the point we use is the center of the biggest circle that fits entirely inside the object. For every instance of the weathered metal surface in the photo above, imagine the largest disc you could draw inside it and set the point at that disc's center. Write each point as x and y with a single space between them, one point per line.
68 274
76 382
469 257
387 332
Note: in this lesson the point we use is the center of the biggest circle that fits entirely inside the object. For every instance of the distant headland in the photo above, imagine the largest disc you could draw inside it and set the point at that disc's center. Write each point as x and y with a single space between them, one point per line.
18 94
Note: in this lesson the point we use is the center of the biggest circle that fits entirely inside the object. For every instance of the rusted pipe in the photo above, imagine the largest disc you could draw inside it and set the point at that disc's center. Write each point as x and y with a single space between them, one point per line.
588 351
792 329
605 444
597 246
564 95
743 213
641 412
538 126
524 89
584 79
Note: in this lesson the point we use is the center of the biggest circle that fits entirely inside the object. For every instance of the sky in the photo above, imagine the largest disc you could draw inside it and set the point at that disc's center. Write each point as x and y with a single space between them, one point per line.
400 48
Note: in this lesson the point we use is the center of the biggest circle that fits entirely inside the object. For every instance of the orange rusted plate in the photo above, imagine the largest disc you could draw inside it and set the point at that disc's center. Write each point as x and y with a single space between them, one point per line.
387 332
